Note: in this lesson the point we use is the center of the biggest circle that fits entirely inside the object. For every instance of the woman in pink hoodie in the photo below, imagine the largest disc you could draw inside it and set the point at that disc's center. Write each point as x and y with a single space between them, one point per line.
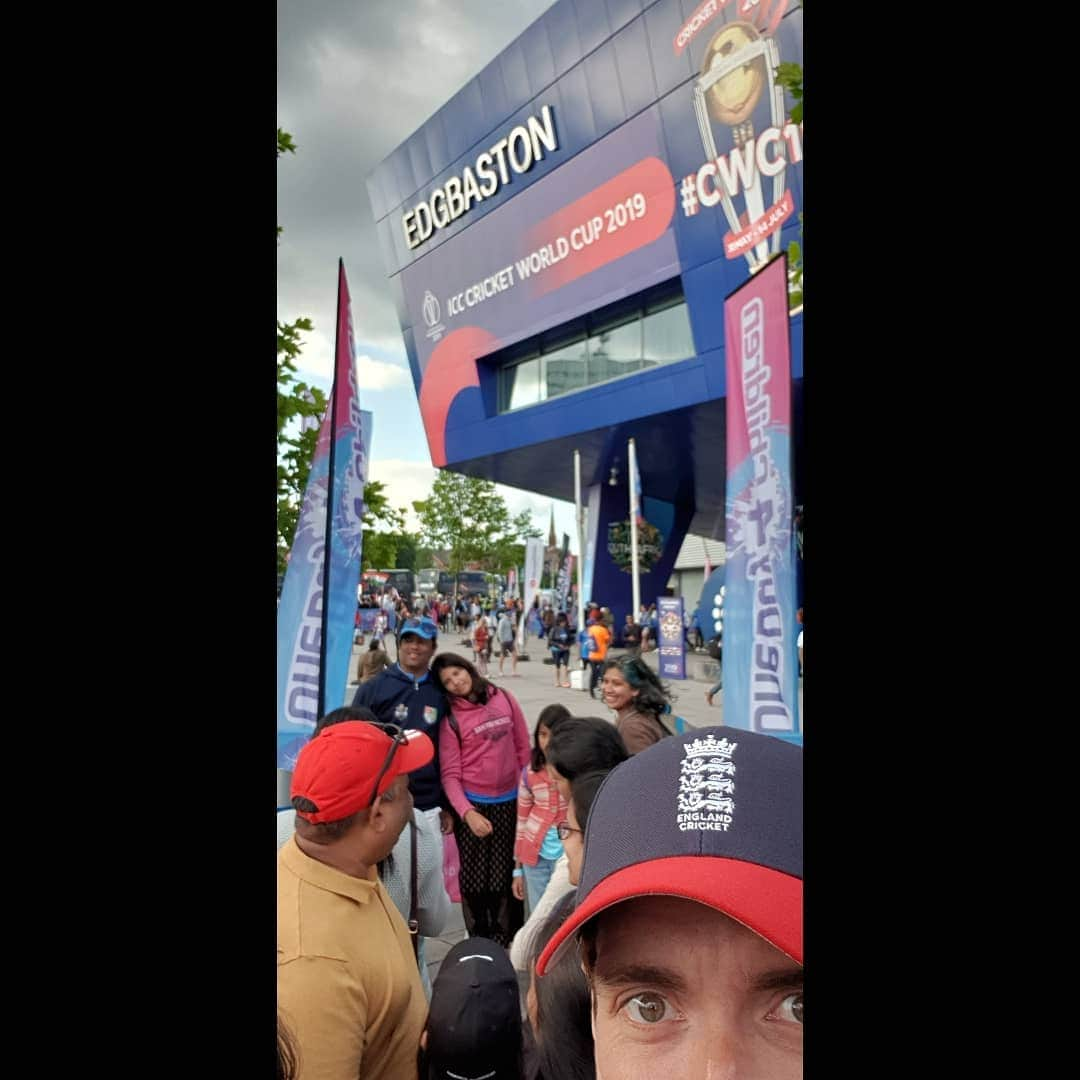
483 746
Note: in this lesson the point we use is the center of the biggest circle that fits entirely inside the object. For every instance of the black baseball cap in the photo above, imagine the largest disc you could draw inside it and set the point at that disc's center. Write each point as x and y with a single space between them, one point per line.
713 815
474 1023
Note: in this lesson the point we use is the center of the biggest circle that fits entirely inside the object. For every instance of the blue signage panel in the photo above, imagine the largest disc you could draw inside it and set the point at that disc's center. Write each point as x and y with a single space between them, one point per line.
672 637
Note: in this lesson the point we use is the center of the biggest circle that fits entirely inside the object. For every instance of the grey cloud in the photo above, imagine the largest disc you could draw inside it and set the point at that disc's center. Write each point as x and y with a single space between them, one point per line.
355 79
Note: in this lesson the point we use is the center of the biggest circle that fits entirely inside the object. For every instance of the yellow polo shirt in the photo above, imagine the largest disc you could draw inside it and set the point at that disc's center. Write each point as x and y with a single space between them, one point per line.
347 980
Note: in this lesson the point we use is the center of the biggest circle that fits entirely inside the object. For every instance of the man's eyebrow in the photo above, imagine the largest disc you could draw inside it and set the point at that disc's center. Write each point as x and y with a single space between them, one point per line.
629 974
779 980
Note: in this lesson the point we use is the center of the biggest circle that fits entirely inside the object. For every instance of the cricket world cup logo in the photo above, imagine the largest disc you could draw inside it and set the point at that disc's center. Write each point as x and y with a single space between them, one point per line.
432 313
431 309
738 104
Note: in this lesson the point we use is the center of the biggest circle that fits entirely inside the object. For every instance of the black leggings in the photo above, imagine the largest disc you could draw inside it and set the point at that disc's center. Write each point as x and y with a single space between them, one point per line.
594 677
486 875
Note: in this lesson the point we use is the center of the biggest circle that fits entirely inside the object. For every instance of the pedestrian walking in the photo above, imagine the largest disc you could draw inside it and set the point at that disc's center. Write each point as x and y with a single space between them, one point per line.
507 646
601 639
559 643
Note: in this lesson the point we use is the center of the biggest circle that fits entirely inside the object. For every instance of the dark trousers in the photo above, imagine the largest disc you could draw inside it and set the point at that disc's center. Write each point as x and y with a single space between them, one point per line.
486 876
594 677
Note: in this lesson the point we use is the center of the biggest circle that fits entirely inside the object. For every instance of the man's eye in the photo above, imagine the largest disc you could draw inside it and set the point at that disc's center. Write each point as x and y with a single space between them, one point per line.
790 1009
649 1008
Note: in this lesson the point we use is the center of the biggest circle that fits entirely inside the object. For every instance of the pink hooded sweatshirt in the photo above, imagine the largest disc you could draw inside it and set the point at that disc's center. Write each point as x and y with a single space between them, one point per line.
493 748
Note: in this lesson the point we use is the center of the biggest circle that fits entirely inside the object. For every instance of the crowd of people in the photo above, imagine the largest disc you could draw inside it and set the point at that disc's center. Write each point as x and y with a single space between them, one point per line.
646 885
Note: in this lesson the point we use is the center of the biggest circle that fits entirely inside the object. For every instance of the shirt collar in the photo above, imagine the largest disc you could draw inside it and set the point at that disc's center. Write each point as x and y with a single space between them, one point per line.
417 682
327 877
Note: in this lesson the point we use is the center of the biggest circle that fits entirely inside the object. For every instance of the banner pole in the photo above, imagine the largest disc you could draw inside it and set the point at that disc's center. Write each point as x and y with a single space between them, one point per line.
632 485
577 521
329 505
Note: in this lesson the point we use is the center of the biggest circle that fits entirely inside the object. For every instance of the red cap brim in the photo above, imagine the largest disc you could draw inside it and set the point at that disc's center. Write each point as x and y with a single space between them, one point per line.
768 902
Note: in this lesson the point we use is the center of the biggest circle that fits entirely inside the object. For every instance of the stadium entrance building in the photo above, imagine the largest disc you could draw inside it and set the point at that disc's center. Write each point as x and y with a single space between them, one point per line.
560 238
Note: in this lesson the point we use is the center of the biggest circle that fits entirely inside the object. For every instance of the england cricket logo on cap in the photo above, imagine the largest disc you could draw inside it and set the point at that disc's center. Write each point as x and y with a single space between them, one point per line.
733 842
707 785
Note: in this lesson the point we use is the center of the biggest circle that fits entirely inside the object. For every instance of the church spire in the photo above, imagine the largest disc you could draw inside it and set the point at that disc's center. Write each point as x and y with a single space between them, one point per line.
552 542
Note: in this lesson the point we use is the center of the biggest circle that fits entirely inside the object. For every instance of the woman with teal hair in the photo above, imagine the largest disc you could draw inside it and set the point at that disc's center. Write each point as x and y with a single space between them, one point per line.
634 692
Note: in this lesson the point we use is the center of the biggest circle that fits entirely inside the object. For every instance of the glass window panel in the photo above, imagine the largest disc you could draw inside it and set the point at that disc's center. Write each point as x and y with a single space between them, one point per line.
615 351
565 369
523 384
567 334
668 336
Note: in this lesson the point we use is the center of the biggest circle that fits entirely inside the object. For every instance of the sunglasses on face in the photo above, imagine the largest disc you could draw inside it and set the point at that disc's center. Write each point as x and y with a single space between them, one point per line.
399 739
565 829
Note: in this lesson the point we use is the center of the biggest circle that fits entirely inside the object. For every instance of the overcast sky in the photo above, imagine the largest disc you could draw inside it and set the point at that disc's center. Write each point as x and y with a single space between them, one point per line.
355 79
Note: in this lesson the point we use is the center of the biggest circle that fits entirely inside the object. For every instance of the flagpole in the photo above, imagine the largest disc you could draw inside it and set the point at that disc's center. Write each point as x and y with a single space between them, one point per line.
330 504
632 484
577 520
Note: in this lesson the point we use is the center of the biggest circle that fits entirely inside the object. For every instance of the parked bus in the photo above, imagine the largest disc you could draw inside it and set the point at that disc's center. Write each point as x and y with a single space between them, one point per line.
435 581
477 581
402 580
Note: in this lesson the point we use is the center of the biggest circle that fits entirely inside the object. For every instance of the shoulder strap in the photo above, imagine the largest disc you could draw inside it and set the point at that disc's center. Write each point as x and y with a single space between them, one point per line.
414 898
663 727
454 724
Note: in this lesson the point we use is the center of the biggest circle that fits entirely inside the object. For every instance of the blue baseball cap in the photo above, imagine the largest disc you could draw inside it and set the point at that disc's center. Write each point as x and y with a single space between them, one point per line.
713 815
420 625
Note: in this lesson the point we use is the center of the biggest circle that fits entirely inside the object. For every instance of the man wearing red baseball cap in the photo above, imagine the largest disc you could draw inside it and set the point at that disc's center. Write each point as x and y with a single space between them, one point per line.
348 985
688 920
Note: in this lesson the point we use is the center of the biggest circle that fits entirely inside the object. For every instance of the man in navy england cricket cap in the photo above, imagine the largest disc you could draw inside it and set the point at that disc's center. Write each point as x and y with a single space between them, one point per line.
688 921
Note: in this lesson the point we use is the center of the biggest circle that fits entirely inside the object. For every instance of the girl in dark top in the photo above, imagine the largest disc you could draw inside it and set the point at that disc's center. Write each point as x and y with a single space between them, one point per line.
559 641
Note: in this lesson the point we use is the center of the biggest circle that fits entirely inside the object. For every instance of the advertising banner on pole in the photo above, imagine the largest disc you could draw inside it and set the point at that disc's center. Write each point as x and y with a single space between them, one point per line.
317 611
672 638
760 662
562 586
534 565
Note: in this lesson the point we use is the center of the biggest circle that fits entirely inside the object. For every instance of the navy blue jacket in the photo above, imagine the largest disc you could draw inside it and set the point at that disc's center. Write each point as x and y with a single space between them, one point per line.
426 706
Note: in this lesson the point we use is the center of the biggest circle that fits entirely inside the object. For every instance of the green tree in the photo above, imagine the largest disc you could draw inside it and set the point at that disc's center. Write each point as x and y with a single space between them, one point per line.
469 518
377 508
380 550
510 551
790 77
298 400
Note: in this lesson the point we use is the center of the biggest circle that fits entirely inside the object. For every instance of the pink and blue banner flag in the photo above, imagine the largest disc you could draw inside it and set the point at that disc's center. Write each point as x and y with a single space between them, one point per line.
317 610
760 660
672 637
